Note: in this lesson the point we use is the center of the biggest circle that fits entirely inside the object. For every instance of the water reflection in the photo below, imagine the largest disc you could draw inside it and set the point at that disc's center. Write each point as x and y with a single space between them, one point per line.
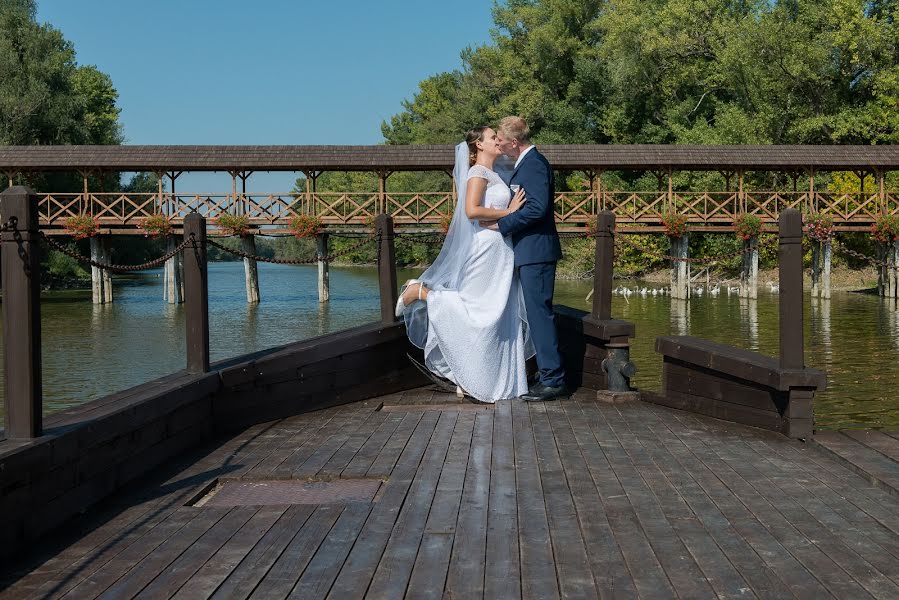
680 316
749 316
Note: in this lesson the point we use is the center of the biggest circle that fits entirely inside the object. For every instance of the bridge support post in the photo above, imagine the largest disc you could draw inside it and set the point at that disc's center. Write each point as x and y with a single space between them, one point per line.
173 290
197 294
680 269
324 278
101 279
386 267
749 274
251 273
21 314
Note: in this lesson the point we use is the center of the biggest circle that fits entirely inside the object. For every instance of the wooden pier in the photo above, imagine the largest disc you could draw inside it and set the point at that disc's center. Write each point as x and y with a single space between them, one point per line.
570 499
323 468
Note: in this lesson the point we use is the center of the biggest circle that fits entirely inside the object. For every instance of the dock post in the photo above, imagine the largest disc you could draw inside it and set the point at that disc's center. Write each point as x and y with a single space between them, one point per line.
790 271
386 267
196 292
604 265
21 314
251 273
101 279
324 277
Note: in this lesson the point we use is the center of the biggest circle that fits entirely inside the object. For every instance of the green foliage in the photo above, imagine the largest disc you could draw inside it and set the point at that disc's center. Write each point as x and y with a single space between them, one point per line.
45 97
673 71
58 266
747 226
885 228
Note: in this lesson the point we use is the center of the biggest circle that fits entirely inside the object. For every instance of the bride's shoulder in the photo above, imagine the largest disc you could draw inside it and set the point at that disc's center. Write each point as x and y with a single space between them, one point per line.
479 171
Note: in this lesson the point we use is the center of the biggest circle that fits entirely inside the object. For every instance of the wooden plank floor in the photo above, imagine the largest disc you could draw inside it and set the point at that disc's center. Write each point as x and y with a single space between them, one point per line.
569 499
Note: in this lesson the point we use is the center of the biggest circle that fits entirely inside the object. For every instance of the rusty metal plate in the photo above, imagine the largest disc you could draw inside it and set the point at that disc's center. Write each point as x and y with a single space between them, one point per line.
290 491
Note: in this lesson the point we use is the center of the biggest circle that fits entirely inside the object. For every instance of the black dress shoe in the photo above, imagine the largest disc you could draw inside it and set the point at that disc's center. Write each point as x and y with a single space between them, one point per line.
545 393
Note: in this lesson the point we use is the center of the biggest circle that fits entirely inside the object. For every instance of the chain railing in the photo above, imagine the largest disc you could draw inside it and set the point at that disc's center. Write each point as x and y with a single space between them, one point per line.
150 264
293 261
887 264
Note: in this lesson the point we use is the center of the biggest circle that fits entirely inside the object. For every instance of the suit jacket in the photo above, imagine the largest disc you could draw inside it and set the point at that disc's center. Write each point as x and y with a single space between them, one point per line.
533 226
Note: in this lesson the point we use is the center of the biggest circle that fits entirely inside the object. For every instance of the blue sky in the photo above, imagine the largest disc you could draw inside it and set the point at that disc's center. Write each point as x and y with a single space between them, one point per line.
265 72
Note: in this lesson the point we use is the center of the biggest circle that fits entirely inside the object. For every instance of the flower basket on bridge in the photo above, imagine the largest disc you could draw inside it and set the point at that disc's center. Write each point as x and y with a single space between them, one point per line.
156 226
885 228
818 227
675 224
445 221
82 226
747 226
234 224
305 226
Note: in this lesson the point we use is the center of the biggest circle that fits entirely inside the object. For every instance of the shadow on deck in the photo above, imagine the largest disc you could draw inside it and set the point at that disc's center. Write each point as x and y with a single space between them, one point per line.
567 499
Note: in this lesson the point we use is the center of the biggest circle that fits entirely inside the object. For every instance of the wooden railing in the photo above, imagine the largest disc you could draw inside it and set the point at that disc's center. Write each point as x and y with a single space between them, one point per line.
122 212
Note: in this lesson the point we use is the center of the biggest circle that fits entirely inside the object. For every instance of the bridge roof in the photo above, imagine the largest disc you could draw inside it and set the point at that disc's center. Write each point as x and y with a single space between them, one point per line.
438 157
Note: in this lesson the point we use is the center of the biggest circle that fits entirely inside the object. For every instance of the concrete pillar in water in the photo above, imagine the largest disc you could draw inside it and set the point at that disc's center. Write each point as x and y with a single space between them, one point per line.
173 289
749 274
827 260
324 280
680 269
251 274
101 279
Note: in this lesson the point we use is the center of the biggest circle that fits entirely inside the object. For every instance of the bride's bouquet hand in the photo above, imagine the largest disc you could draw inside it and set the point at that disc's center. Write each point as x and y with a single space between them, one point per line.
518 200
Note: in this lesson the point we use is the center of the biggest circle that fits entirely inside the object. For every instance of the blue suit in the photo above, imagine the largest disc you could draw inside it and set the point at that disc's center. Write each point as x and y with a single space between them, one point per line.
537 249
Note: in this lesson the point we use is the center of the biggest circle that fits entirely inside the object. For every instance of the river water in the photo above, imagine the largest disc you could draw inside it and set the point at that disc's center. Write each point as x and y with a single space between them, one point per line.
90 351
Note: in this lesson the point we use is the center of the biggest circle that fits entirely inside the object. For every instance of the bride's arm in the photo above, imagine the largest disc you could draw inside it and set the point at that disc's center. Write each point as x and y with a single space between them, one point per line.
474 198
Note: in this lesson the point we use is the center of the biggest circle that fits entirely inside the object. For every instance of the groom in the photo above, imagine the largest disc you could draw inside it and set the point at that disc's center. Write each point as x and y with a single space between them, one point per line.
537 249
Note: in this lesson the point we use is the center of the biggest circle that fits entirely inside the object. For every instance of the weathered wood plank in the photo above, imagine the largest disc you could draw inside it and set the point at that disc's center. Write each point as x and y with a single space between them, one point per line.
429 572
538 574
465 576
502 576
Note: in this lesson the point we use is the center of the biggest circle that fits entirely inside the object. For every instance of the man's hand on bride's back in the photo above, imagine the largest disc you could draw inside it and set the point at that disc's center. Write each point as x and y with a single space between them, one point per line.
518 200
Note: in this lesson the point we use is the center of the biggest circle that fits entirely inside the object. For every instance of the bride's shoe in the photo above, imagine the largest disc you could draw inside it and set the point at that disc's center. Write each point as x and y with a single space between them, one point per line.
400 305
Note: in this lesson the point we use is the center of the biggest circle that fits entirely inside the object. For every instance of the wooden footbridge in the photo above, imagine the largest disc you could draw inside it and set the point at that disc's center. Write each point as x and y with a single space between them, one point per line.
327 468
121 213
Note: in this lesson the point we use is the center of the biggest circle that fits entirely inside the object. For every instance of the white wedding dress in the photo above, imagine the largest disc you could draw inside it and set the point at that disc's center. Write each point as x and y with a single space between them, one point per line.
477 334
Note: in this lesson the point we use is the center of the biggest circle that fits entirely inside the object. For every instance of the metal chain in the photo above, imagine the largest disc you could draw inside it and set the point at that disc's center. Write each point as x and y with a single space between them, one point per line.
287 261
117 268
874 261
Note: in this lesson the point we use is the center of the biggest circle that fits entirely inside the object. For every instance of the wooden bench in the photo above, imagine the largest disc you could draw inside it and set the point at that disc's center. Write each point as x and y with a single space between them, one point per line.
737 385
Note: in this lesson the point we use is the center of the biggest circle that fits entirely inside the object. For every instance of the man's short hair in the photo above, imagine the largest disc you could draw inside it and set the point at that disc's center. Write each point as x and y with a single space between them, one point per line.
515 128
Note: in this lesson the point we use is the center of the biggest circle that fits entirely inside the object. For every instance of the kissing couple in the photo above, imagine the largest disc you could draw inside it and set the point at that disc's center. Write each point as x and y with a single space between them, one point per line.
485 305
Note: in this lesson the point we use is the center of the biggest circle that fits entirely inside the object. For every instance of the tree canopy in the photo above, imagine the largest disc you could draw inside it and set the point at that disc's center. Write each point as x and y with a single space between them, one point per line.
673 71
45 96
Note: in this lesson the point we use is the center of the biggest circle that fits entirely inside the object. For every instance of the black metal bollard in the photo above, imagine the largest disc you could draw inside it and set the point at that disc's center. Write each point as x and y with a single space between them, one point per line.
196 294
21 313
386 267
790 271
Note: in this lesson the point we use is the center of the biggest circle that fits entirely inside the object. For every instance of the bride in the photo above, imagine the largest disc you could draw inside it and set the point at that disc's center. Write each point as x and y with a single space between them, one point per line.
466 311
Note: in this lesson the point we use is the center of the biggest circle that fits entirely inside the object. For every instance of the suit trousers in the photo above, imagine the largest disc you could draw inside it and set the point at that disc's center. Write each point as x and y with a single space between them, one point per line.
538 283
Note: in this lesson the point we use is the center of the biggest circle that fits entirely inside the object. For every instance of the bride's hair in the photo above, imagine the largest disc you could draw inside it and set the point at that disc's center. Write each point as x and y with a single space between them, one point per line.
474 135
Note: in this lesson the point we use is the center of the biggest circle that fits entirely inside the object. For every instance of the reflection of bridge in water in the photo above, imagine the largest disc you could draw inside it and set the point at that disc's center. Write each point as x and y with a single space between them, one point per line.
119 213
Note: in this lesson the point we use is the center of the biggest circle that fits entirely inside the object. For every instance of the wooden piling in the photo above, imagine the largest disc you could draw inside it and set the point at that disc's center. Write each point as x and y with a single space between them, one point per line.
680 269
101 279
173 272
20 282
749 274
251 273
196 294
324 279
